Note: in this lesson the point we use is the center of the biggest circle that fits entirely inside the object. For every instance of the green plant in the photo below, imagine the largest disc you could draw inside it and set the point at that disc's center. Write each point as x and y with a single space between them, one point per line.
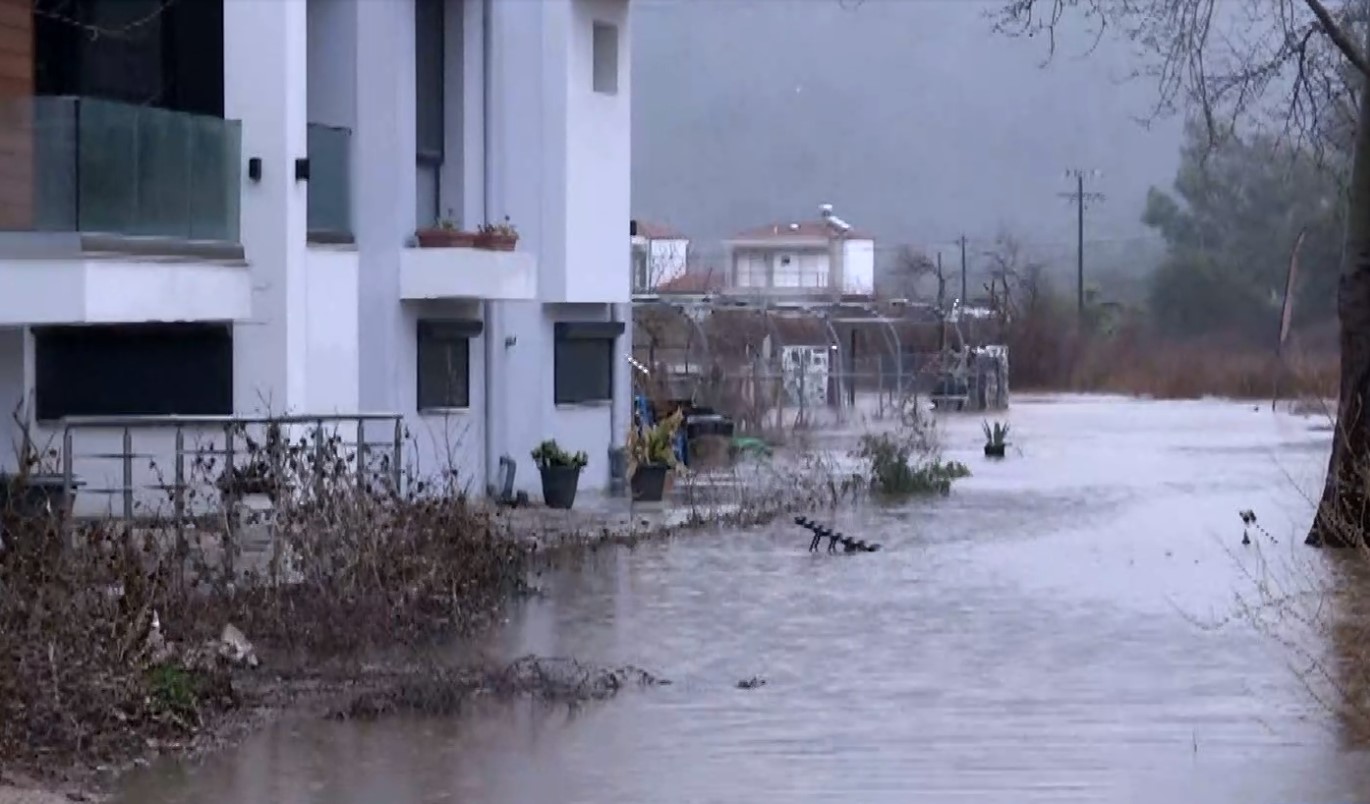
550 455
997 435
502 229
655 445
903 466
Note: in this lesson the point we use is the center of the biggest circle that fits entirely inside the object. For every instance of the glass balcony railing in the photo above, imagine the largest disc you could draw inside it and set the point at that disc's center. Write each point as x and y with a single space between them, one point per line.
87 165
329 214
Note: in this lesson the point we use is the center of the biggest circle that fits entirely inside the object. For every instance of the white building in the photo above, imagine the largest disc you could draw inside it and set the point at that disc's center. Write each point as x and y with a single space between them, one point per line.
248 244
660 255
825 258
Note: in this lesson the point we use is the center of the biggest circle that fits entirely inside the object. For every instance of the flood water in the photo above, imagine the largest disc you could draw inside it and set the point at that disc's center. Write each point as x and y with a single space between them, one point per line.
1043 634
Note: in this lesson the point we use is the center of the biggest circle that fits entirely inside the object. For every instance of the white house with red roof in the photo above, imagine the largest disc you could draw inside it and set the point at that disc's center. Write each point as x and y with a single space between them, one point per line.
660 255
823 258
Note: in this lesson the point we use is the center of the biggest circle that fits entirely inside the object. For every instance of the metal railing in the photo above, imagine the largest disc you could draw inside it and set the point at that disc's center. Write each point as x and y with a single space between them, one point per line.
234 429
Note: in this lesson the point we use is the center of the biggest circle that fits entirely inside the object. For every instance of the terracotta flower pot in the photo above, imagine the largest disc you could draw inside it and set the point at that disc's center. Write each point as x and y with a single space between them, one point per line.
496 242
445 238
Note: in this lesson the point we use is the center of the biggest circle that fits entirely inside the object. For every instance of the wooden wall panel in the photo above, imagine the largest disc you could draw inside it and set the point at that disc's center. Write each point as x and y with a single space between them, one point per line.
16 115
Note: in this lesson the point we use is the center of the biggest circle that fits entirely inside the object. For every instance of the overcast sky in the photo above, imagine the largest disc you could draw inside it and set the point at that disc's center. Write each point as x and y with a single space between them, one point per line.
910 116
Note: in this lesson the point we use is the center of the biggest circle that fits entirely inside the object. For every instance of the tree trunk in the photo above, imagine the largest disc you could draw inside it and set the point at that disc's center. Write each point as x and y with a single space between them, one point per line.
1343 519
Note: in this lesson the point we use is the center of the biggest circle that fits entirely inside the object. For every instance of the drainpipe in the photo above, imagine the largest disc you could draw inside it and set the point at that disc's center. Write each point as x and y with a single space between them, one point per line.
490 309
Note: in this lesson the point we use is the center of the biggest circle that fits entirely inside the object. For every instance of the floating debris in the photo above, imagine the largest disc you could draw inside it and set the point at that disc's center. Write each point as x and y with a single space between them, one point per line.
821 532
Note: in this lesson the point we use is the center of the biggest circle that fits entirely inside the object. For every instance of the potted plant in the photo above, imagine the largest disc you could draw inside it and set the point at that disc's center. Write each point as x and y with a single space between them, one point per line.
651 454
445 234
996 439
497 236
560 472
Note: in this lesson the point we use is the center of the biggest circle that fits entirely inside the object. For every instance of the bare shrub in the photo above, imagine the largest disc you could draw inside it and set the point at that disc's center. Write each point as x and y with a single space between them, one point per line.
85 609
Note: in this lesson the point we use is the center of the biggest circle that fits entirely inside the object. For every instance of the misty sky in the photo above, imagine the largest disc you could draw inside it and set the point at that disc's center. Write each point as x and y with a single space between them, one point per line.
910 116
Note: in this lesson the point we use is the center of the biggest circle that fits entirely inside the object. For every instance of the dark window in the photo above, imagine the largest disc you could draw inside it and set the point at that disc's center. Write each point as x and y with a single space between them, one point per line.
431 104
141 52
583 361
604 58
444 366
136 370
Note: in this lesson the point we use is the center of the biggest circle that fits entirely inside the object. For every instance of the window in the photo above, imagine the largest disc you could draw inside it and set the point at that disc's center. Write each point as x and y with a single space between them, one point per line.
642 280
167 55
751 271
134 370
583 361
444 364
786 274
605 58
429 91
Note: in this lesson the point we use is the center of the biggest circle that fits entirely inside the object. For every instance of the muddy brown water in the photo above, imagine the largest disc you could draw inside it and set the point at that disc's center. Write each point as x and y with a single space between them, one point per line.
1043 634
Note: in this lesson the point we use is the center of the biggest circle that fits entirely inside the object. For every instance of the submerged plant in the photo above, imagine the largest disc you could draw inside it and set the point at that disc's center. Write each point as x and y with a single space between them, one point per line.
996 435
655 445
905 466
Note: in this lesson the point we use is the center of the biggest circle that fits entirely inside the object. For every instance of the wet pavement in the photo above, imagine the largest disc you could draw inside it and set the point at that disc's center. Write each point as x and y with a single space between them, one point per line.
1046 633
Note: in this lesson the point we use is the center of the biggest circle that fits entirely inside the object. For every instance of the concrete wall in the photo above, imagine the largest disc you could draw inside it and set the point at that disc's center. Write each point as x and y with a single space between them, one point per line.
666 260
597 265
858 266
265 65
331 351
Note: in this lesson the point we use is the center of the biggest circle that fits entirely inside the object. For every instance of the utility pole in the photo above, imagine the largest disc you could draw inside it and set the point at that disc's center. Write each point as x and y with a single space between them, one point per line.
941 307
1080 197
962 241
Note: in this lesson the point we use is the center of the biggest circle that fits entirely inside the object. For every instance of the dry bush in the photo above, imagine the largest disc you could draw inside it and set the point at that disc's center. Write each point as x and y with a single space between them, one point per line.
1049 356
355 563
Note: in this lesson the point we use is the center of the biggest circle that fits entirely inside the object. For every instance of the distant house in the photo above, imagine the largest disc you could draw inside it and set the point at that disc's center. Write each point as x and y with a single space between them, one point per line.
814 259
659 255
694 283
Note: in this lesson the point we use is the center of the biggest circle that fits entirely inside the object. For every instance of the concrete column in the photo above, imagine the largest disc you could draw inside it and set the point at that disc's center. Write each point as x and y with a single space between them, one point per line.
622 411
265 88
384 147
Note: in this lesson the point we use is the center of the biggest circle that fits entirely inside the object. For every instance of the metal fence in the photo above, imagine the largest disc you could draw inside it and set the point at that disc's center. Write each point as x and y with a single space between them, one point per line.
121 458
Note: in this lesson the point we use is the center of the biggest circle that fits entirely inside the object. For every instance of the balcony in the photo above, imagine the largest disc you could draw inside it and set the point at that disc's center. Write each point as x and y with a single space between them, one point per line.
467 273
113 213
329 215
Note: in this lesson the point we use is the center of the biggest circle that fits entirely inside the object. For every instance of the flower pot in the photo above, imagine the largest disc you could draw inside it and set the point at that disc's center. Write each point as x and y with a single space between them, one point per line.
496 242
995 450
445 238
649 482
559 486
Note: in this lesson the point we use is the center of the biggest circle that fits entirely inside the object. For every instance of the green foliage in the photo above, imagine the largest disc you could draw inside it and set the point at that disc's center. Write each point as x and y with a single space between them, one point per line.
996 435
1230 225
550 455
904 466
174 690
655 445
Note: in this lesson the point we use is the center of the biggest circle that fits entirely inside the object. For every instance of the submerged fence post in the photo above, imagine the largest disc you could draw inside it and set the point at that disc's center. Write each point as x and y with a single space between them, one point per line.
68 486
318 459
179 489
361 452
395 470
231 514
127 454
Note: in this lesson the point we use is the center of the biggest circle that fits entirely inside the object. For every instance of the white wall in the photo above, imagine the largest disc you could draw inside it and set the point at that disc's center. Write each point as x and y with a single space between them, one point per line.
858 266
667 260
265 64
333 371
